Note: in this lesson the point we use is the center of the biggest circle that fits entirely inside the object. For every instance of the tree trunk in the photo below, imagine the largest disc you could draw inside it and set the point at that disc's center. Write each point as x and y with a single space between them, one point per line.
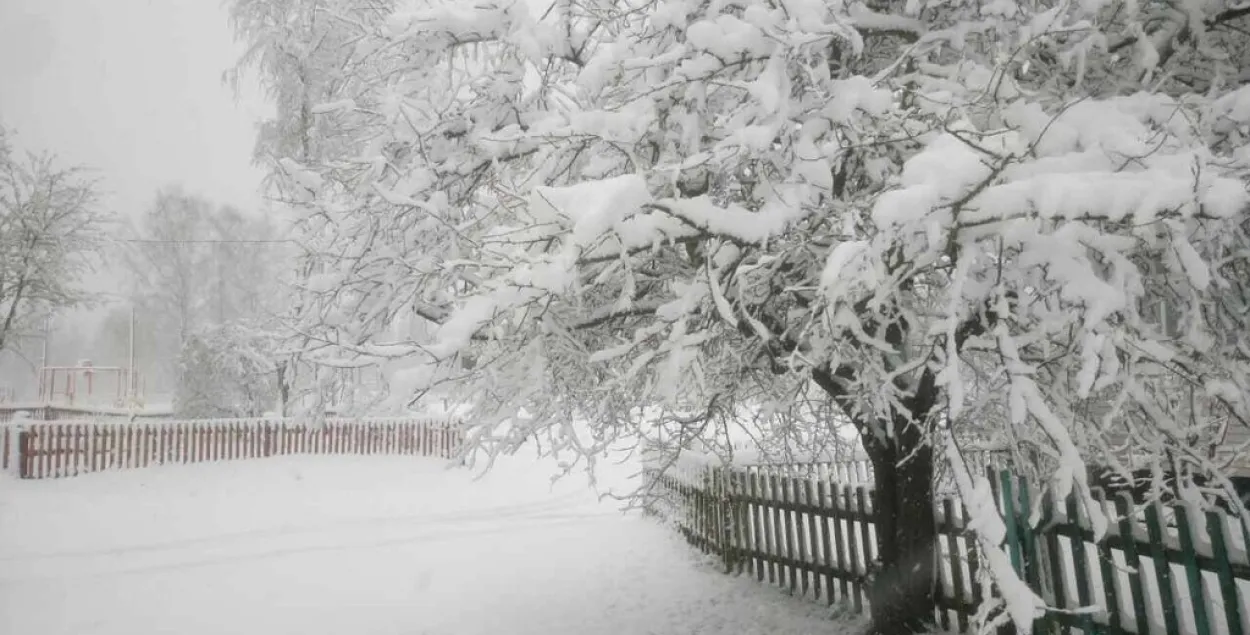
902 581
901 590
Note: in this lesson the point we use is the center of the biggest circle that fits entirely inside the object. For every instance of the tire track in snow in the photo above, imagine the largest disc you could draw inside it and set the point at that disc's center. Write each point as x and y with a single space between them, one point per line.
441 531
522 510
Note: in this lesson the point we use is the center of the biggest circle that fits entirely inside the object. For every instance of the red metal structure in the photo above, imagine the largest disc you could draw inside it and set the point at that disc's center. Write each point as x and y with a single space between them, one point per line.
88 384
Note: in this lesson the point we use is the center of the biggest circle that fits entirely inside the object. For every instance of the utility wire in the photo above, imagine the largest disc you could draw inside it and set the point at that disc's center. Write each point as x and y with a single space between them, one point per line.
203 241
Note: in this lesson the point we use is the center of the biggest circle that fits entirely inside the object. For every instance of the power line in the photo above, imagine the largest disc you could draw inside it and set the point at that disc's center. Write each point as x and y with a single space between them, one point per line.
205 241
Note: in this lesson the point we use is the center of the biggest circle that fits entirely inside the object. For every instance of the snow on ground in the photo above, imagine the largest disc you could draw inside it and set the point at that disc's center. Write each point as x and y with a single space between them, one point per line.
359 546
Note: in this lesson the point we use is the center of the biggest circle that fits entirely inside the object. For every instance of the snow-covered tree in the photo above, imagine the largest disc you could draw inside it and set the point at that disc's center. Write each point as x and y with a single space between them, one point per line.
227 371
195 266
50 227
634 217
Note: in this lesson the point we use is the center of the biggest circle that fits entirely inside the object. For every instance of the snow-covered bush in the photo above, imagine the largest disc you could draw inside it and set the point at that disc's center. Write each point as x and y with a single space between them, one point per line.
226 371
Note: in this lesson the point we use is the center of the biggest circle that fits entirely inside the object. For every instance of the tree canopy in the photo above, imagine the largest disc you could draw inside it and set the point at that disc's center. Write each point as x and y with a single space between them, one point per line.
50 227
619 217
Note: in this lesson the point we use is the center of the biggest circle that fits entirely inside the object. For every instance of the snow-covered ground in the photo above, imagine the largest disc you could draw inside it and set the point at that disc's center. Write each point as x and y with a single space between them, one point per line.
359 546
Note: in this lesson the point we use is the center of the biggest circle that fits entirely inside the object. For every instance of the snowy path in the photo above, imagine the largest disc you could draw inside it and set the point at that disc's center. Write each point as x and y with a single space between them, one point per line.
357 546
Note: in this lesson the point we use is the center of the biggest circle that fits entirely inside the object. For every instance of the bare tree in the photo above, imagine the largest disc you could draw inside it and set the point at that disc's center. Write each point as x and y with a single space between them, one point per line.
50 229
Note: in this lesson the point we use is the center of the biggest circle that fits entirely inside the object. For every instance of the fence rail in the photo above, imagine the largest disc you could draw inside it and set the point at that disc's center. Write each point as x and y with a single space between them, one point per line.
1162 569
69 448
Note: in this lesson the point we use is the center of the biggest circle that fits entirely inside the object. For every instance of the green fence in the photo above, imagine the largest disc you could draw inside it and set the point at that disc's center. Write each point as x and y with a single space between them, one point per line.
1161 569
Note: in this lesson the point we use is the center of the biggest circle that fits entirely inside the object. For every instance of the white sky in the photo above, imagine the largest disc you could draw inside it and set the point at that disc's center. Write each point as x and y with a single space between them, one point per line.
133 89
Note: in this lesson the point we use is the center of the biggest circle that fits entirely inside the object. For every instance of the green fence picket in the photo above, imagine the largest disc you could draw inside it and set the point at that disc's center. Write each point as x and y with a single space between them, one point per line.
1193 574
1163 569
1110 576
1224 572
802 532
1132 560
1080 567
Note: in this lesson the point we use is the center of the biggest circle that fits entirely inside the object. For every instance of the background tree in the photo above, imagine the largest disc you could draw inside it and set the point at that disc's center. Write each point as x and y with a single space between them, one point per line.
625 219
194 268
50 227
228 371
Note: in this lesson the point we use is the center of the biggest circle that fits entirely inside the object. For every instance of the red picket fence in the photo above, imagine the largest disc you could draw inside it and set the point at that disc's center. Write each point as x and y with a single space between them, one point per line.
70 448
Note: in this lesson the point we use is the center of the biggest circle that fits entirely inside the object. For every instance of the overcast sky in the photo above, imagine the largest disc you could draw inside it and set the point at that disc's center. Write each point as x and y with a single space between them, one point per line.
132 88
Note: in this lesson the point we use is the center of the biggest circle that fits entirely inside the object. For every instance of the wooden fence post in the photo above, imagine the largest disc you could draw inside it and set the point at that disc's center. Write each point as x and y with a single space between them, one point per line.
25 456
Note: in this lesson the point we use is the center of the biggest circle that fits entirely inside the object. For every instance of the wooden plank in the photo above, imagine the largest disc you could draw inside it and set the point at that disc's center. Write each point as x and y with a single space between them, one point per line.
76 447
1011 517
1224 572
145 442
162 451
200 443
1193 575
827 559
734 547
209 434
80 449
86 449
840 545
707 498
1081 566
865 529
1028 537
136 431
724 515
97 447
25 454
758 542
225 432
852 553
772 529
1054 553
800 533
956 563
814 520
1110 574
210 441
130 445
56 439
974 563
789 519
70 449
192 443
742 531
1163 569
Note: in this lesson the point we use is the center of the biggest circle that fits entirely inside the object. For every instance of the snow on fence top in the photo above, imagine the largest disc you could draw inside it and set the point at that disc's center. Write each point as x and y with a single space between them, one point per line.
122 419
43 449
